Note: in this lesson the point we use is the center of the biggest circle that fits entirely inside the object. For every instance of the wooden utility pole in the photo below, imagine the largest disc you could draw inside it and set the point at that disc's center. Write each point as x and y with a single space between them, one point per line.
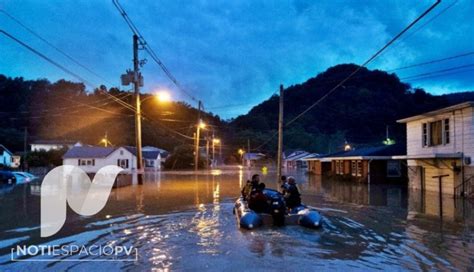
280 135
248 152
138 113
196 144
25 147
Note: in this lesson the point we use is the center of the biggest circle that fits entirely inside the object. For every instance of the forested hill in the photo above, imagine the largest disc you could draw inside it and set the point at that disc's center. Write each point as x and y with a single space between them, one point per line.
358 112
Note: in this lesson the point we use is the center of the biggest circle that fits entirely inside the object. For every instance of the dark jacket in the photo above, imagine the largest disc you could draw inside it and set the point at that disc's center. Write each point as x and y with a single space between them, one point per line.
258 202
292 196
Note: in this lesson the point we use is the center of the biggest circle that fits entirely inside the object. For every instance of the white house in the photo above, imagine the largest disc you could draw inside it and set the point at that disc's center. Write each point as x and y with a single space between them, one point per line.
439 143
92 158
8 159
48 145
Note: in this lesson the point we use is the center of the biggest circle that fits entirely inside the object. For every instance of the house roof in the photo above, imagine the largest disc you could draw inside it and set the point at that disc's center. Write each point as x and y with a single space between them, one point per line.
147 154
55 142
372 152
4 149
463 105
88 152
253 156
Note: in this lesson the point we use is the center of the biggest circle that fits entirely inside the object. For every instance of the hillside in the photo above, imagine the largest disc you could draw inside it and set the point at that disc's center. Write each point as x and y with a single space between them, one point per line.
357 112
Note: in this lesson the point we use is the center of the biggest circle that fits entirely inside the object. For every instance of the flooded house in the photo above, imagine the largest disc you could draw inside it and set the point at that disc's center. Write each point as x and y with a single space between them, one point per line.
297 160
368 164
440 147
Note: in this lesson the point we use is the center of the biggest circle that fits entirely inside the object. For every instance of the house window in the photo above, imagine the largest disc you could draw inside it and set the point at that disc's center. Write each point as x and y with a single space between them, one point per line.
425 134
359 168
122 163
435 133
339 168
354 168
86 162
393 169
121 152
446 131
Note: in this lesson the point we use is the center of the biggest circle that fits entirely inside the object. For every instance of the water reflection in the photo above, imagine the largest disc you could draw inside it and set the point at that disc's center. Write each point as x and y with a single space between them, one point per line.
184 221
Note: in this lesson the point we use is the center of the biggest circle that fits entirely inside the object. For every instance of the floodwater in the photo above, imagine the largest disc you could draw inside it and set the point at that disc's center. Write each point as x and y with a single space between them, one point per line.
182 221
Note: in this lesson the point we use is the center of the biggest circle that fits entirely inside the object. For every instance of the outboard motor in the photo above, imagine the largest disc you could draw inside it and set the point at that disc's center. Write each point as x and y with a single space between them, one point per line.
277 207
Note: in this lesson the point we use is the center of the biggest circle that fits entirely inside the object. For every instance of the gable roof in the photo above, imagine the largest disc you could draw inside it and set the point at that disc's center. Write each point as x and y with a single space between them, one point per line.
55 142
463 105
253 156
88 152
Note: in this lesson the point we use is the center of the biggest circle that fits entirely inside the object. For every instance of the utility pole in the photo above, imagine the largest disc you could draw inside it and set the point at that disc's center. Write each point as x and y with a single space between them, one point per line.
248 152
25 147
213 150
207 151
136 78
138 113
280 134
196 146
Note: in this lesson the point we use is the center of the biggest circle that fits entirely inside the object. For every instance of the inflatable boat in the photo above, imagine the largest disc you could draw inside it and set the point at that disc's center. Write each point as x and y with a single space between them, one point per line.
277 214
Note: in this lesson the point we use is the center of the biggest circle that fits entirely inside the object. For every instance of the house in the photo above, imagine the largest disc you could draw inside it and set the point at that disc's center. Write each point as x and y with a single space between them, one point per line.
153 157
441 143
369 164
8 159
92 158
252 159
318 164
48 145
296 160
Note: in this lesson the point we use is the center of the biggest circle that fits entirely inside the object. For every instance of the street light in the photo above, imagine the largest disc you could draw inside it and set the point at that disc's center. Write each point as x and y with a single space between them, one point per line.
202 125
214 142
241 152
163 96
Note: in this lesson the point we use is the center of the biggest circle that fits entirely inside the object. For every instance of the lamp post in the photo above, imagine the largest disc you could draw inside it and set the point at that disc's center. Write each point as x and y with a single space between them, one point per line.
241 152
214 142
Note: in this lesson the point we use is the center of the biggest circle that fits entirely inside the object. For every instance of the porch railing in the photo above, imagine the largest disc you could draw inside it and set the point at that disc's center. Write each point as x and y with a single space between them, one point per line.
468 186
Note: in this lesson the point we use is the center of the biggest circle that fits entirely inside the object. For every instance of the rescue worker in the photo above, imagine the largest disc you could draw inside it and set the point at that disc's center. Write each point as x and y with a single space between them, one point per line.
292 194
284 184
250 186
258 202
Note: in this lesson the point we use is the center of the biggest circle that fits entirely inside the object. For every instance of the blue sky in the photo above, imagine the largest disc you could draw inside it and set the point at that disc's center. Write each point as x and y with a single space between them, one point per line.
229 53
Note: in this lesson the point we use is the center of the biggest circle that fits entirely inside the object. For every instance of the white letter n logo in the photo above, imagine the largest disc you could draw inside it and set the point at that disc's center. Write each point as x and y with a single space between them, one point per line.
70 184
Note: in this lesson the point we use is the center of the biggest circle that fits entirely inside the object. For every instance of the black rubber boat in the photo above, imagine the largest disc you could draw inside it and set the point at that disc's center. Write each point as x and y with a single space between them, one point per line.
277 215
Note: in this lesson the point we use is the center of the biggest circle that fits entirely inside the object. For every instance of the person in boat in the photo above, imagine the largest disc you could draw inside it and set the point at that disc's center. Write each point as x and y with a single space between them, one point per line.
292 194
258 202
250 186
284 184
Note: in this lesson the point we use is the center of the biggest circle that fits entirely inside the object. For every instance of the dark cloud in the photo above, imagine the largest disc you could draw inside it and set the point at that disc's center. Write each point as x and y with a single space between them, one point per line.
237 52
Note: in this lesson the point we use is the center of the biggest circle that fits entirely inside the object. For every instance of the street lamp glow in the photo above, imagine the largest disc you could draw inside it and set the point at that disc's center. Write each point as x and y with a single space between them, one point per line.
202 125
163 96
216 141
241 151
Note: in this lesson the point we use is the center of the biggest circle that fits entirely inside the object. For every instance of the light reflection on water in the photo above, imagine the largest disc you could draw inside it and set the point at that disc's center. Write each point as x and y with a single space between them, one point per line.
182 221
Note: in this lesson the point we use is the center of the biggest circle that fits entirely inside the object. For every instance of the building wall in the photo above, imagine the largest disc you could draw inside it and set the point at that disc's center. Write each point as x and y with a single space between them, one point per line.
461 134
110 160
421 173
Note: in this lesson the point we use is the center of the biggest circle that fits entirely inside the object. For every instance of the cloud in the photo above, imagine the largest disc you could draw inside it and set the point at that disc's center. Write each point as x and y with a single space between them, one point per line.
238 51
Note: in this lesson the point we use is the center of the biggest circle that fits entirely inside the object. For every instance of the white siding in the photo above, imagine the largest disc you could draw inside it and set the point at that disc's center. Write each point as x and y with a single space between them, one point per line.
461 134
109 160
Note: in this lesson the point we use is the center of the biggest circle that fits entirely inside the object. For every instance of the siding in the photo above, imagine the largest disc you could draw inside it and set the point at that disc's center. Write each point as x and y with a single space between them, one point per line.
461 134
101 162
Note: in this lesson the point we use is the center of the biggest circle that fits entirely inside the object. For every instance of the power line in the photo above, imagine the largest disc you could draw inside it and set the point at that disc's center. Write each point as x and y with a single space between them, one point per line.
432 61
51 45
438 71
440 75
150 50
366 62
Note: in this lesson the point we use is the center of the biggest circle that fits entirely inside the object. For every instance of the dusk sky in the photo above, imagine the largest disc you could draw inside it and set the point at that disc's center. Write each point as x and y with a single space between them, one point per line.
230 53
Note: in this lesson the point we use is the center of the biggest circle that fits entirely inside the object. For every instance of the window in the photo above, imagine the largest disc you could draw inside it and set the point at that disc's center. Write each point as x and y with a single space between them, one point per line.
339 168
359 168
425 135
122 163
446 131
393 169
435 133
121 152
354 168
86 162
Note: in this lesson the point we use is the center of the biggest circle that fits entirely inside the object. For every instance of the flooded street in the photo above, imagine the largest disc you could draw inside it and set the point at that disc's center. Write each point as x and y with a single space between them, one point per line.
182 221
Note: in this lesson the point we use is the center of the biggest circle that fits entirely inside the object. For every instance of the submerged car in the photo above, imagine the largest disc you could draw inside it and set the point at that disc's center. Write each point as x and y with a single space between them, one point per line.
7 177
277 215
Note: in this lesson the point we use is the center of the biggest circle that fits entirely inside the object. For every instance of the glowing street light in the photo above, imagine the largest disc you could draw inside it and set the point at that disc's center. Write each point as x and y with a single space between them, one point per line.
202 125
163 96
